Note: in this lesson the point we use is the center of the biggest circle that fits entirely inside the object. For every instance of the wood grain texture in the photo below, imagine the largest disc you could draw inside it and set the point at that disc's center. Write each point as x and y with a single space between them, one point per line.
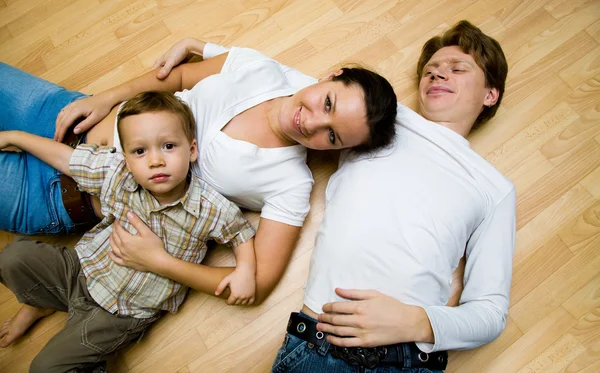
545 138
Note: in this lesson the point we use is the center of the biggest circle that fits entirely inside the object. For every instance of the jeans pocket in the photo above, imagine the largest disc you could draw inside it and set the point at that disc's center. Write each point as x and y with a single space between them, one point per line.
293 351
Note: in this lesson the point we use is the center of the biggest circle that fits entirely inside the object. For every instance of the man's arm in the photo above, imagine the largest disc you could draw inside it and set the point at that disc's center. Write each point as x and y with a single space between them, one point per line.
54 153
481 315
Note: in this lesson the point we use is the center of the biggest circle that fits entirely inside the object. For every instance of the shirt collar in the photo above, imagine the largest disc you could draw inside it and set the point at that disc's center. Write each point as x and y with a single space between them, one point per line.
190 200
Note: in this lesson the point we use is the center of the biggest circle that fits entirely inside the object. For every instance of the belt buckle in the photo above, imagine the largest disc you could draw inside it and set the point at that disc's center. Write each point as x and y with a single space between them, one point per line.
368 358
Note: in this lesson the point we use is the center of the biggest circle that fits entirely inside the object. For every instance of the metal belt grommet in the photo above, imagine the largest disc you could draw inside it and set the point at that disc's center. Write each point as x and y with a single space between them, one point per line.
301 327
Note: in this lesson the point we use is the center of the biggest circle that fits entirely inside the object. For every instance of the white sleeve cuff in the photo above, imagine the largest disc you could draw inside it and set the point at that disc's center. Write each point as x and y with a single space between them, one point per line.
212 50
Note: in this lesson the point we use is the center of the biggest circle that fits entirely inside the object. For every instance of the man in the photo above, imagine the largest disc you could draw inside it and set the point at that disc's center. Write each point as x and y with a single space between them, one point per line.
399 221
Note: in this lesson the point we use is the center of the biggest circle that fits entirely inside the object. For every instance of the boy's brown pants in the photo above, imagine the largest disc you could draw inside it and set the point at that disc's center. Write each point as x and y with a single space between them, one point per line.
47 276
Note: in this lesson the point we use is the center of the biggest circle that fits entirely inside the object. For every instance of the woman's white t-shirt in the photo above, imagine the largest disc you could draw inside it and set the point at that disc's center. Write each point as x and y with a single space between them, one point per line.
275 181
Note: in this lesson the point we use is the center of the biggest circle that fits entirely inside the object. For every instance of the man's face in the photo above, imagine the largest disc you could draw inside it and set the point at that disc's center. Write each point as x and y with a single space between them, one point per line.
452 88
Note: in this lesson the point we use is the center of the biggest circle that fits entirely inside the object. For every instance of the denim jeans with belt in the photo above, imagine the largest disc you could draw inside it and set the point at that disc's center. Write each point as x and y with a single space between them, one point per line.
48 276
30 194
299 356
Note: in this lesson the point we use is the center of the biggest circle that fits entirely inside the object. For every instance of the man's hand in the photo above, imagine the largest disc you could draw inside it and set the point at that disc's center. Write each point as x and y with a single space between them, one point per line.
144 251
373 319
242 286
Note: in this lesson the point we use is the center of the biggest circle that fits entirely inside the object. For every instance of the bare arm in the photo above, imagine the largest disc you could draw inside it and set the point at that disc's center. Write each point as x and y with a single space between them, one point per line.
274 243
54 153
95 108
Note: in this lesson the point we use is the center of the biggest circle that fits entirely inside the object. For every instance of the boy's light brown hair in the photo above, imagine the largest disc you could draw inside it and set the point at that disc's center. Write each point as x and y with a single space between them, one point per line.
155 101
486 52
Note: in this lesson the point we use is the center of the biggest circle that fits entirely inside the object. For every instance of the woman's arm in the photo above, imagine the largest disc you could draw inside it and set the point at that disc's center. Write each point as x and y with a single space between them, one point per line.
274 243
95 108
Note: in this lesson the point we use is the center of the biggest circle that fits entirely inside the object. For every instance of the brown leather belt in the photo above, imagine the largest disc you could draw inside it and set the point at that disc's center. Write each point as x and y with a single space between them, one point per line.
77 203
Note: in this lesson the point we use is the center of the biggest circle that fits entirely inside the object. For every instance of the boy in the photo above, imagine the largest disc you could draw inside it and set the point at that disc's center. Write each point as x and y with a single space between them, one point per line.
111 305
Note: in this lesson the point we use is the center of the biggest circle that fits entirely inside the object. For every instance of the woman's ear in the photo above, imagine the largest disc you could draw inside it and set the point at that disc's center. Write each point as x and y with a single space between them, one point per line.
331 74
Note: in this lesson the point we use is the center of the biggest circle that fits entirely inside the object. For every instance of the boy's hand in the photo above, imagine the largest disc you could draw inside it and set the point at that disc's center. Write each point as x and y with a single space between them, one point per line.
242 286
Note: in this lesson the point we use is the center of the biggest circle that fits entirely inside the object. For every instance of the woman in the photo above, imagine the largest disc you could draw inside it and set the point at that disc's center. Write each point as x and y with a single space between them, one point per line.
254 120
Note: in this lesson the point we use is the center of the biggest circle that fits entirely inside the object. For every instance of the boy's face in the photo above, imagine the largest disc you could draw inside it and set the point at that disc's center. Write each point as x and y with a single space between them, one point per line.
157 153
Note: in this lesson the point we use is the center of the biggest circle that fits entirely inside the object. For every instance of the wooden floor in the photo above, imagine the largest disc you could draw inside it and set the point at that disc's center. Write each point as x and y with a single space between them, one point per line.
546 139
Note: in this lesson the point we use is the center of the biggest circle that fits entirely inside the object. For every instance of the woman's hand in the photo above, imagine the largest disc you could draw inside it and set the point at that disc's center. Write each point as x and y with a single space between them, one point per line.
144 251
373 319
177 54
93 109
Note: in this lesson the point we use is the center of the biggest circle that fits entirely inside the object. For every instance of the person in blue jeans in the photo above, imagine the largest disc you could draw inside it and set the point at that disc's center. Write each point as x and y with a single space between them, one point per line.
397 224
31 190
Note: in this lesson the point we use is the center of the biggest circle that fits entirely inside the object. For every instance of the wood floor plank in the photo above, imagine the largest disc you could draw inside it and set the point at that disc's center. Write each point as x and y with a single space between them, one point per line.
533 137
520 84
423 14
587 330
592 183
17 48
582 70
475 360
13 11
562 8
541 265
529 171
536 340
548 222
557 288
585 228
586 362
556 357
36 15
544 138
343 27
594 30
585 299
562 178
506 125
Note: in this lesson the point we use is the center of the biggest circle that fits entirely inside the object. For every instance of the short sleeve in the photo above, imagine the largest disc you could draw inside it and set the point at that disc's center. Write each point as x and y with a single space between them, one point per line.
289 207
212 50
89 166
233 229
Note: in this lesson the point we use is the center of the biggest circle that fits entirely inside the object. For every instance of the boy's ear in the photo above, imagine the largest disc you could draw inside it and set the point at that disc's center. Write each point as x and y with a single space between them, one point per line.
126 163
193 151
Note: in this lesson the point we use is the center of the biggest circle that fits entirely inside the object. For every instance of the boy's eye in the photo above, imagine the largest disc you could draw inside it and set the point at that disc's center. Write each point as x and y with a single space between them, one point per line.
327 104
169 146
331 137
139 151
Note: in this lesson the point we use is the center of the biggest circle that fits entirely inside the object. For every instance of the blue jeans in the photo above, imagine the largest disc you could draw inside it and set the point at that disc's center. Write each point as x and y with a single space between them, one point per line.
298 356
30 194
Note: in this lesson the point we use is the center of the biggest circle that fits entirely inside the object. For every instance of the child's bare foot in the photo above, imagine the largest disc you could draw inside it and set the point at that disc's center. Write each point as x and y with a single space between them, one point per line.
17 325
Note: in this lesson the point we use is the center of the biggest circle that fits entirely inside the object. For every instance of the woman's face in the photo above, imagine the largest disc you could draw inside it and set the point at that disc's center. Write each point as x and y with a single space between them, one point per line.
326 115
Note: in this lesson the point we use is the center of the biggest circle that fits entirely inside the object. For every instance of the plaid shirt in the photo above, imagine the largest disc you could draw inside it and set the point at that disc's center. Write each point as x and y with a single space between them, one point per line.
184 227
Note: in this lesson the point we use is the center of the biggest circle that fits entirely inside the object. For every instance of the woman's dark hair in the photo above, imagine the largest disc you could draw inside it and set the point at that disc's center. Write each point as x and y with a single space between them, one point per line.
380 102
486 52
